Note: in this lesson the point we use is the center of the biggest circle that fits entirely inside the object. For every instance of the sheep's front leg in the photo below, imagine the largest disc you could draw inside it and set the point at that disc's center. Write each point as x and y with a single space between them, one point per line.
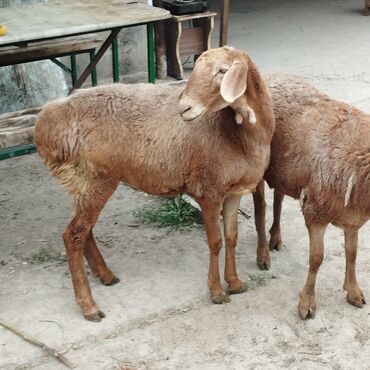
354 293
275 231
211 218
230 217
307 303
263 253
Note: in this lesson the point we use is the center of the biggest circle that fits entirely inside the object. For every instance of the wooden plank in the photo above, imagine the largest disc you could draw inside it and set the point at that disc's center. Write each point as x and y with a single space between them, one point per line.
18 135
191 16
191 41
17 128
17 122
6 116
43 50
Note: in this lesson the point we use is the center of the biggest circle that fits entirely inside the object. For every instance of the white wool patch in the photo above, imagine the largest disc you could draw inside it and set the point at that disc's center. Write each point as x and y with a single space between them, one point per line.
302 197
73 138
350 185
238 118
252 116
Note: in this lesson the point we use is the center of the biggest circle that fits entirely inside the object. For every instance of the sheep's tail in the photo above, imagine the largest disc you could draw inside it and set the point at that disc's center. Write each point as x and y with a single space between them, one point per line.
58 144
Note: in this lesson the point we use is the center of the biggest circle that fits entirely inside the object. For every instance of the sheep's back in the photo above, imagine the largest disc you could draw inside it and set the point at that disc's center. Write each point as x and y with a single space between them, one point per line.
319 143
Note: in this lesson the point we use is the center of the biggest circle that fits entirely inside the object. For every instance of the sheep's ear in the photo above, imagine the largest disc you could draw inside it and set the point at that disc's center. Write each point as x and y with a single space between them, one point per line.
234 83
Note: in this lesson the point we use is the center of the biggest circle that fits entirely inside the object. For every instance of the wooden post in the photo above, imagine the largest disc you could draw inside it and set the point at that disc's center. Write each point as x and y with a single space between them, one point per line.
160 45
224 22
365 11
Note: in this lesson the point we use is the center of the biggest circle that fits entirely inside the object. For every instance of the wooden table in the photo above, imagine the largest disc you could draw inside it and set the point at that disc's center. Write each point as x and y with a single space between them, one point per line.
62 18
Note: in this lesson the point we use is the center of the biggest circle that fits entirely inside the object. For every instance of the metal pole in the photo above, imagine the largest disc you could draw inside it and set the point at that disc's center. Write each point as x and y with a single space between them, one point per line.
115 60
151 52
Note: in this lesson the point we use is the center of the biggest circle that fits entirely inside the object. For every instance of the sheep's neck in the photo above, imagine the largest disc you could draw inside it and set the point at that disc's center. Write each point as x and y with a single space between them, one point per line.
258 99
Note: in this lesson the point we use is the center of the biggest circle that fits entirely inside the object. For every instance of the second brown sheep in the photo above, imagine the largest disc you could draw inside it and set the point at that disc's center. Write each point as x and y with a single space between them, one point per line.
320 154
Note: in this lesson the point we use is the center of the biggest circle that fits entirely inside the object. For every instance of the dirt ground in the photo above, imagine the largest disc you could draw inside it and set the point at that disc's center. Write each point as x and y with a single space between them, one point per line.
160 316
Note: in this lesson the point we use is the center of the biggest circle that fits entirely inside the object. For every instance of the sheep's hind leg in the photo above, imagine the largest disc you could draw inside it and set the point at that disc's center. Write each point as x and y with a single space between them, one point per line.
263 253
355 296
96 262
230 217
307 302
211 217
87 208
275 232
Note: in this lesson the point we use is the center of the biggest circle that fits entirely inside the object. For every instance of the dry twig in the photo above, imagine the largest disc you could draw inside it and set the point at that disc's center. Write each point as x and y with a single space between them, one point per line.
50 351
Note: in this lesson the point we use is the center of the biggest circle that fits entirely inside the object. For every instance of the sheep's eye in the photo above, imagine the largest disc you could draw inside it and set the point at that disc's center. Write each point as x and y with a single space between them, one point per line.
222 71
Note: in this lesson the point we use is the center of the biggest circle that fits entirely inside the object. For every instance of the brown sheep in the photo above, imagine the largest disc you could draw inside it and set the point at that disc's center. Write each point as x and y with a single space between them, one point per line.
320 154
138 135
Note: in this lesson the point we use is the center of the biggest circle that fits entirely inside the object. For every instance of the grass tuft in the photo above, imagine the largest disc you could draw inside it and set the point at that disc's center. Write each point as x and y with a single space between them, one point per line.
175 212
47 255
256 280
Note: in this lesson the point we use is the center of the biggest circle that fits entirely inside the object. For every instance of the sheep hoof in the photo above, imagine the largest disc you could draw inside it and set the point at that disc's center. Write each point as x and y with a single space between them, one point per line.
307 307
221 298
276 244
94 316
240 289
264 265
113 281
306 312
357 299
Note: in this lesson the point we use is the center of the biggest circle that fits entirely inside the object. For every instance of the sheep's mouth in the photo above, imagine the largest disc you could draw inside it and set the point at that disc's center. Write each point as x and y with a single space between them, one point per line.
191 115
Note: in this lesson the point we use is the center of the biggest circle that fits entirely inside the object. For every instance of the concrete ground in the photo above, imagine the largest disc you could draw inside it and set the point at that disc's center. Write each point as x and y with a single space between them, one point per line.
160 315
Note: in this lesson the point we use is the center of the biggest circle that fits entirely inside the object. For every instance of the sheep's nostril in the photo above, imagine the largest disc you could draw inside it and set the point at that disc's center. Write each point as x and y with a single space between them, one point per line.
184 108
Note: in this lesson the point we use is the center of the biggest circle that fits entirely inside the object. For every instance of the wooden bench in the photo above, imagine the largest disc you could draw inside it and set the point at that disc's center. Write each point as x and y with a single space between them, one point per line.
52 49
17 128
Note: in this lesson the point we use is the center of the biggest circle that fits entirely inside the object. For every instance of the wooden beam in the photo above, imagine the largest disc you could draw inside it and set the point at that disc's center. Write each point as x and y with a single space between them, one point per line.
224 21
107 43
160 45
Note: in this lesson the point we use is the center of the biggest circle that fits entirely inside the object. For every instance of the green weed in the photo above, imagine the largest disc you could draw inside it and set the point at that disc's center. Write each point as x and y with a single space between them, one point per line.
46 255
174 212
256 280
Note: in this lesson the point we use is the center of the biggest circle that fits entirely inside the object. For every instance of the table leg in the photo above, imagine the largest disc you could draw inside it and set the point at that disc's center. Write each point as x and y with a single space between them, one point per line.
115 60
107 43
174 65
224 22
73 69
151 52
94 76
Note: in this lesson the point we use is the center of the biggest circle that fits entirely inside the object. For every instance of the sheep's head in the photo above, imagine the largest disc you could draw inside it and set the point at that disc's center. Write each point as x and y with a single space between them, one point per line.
218 80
